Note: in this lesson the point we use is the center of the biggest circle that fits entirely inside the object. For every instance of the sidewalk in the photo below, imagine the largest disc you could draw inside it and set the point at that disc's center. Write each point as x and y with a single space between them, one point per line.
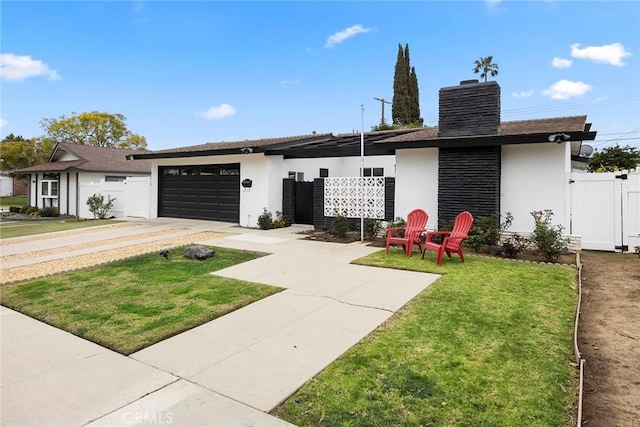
228 372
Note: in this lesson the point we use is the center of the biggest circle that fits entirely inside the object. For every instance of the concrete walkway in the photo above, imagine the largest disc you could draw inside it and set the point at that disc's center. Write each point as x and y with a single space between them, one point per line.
229 372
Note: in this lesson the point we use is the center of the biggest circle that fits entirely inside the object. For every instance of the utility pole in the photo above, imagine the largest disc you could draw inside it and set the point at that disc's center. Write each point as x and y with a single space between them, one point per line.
382 101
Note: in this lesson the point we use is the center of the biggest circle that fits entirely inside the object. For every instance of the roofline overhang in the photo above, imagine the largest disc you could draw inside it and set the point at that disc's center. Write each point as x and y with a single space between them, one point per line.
489 140
227 151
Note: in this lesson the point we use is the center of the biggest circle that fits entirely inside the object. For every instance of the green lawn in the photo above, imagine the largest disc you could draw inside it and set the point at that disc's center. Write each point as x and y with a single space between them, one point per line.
5 202
488 344
131 304
10 228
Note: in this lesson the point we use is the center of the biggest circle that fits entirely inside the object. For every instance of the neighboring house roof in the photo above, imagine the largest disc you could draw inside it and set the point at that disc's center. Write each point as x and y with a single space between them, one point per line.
89 158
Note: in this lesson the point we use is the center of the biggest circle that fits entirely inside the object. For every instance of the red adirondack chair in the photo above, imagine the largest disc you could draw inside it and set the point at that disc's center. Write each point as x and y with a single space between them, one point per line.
416 223
452 242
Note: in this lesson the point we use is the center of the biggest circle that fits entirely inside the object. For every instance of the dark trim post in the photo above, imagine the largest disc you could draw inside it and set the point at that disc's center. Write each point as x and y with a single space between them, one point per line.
289 199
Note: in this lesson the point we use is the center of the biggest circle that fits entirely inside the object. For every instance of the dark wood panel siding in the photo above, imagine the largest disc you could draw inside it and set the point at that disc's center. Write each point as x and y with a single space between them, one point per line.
468 180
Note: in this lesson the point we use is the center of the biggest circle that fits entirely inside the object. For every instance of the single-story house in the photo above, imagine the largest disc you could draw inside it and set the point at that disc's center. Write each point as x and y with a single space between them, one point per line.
6 184
75 172
470 161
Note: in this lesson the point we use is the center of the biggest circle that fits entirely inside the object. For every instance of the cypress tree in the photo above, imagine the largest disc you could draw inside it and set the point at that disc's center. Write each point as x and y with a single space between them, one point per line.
405 108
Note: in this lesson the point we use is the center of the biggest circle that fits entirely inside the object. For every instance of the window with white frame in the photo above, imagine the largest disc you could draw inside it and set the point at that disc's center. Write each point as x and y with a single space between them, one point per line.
49 188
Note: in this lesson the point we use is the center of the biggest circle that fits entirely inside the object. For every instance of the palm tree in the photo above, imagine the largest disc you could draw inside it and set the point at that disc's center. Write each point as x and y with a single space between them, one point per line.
485 65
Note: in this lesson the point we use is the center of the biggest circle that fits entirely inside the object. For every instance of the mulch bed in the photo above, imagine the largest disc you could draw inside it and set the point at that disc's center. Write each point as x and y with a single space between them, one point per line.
354 236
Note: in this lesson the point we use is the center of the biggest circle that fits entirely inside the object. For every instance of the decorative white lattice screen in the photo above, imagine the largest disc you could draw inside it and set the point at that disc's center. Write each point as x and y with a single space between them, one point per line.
343 196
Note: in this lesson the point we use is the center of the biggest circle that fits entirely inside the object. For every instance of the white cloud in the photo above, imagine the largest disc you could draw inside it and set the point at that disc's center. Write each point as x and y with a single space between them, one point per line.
492 3
290 82
219 112
20 67
3 123
611 54
561 62
525 94
565 89
345 34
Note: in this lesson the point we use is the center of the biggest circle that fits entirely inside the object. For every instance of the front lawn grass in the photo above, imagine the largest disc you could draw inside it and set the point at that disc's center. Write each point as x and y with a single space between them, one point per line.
488 344
6 202
131 304
10 228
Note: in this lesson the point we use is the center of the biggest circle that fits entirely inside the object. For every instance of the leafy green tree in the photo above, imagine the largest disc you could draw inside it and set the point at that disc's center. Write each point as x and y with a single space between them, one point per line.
18 152
93 128
405 108
612 159
486 67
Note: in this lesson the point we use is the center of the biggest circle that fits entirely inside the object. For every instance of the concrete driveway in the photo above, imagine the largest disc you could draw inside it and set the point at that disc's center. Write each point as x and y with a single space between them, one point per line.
229 372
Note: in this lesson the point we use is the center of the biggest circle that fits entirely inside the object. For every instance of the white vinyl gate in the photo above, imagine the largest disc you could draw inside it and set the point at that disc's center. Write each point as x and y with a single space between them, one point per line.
605 210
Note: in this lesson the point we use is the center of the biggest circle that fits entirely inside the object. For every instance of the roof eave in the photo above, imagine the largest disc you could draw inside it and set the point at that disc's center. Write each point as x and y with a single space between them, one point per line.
488 140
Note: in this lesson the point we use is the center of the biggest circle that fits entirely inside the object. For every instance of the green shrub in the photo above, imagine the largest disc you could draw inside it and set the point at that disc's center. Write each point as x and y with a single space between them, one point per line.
265 221
339 226
398 222
487 230
546 237
99 207
372 228
513 245
49 212
281 220
14 209
31 210
24 209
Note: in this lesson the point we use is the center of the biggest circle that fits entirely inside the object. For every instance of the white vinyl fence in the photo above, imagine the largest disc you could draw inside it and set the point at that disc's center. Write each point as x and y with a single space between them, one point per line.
131 197
605 210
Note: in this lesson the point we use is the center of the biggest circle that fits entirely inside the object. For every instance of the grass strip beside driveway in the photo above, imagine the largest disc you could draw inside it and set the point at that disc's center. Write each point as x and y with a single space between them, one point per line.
488 344
9 229
131 304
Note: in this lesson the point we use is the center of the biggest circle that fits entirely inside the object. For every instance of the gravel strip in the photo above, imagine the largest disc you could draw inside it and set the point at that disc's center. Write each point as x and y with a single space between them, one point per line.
61 265
81 246
72 232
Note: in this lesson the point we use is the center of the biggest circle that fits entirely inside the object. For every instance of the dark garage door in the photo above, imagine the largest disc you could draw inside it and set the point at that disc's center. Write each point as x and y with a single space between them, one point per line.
200 192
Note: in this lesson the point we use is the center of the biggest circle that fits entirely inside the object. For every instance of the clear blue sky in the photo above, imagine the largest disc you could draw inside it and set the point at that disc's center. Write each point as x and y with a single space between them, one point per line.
185 73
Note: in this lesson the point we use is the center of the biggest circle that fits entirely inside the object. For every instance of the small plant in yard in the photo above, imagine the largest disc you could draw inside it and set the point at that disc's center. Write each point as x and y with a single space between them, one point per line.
372 228
488 230
339 226
265 220
281 220
546 237
99 207
513 245
49 212
398 222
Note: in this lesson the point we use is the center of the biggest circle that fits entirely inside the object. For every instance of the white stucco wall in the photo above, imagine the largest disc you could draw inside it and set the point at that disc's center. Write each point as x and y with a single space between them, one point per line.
417 183
339 166
534 178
